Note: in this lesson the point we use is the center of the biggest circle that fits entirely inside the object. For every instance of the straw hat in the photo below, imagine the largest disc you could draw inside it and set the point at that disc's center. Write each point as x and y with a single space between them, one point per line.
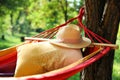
69 37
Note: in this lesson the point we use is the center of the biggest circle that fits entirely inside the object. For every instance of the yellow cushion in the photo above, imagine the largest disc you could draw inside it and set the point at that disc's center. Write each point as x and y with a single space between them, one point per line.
38 58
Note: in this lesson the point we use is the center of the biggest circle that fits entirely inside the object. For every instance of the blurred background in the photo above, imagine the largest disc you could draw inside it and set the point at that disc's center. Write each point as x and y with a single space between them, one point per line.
21 18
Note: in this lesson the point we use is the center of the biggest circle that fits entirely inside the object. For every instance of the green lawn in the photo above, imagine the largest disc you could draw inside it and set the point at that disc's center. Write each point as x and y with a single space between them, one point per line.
116 66
11 41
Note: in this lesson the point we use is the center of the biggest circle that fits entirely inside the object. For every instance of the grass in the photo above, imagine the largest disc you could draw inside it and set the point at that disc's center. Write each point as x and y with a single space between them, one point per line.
11 41
116 66
75 77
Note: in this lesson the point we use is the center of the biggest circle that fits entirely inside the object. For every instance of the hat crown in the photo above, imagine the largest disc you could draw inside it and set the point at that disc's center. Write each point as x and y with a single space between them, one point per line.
69 34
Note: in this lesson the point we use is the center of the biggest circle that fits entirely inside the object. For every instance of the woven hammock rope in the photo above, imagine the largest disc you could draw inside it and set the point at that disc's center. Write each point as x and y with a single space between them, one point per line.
8 56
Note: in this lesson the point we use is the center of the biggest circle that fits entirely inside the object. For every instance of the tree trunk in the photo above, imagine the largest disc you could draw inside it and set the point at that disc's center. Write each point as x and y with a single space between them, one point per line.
64 8
102 17
12 23
3 37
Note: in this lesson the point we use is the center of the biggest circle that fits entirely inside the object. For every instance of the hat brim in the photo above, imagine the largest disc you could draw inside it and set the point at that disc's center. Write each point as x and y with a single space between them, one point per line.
84 43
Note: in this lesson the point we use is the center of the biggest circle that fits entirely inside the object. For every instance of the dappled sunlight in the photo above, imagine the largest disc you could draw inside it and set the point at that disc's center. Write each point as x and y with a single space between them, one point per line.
116 65
9 41
116 71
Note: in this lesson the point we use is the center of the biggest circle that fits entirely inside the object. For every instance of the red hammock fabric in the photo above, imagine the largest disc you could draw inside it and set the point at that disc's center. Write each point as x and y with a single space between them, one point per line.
7 62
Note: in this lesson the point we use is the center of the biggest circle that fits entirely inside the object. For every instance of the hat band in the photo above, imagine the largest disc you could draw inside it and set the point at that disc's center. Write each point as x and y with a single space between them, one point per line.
72 41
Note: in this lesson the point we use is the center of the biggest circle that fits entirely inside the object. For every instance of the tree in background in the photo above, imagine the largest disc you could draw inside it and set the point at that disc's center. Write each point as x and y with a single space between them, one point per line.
102 17
56 12
9 14
25 15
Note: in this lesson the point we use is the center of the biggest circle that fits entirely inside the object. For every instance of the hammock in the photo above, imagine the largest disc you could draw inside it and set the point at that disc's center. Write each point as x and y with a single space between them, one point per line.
8 56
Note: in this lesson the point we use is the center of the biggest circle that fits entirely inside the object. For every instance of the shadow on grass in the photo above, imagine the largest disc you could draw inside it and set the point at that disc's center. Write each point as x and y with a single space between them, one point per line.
5 44
8 42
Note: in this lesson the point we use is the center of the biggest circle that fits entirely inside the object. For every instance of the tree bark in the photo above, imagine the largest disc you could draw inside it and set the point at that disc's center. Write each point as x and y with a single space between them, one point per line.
102 17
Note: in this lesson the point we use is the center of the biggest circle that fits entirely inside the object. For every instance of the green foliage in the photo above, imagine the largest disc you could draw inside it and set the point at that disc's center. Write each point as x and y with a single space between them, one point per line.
22 16
116 68
4 24
8 8
11 5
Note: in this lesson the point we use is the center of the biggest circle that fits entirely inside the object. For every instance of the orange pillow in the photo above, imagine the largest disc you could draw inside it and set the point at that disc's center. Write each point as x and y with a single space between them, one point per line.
38 58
